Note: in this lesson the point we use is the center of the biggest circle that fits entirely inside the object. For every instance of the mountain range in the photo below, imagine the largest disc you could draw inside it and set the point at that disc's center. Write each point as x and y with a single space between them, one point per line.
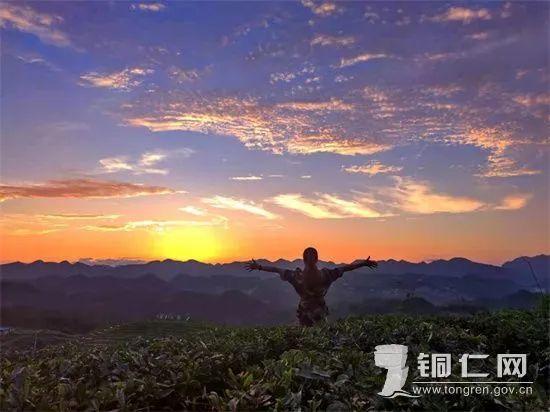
79 296
517 270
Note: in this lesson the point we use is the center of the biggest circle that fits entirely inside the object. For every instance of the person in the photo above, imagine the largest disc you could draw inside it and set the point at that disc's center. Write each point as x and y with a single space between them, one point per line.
311 283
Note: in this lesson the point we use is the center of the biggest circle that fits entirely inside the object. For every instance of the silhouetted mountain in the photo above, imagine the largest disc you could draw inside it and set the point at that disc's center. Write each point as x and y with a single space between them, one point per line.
519 300
516 270
540 265
82 296
452 267
105 299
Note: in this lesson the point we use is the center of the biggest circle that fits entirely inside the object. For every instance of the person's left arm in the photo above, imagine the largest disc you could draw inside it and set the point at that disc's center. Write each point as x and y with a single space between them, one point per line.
362 263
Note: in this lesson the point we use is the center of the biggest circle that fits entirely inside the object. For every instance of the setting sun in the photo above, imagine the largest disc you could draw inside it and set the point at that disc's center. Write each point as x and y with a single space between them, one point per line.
202 244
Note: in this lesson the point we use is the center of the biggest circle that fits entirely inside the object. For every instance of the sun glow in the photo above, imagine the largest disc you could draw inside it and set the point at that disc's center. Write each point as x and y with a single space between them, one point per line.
202 244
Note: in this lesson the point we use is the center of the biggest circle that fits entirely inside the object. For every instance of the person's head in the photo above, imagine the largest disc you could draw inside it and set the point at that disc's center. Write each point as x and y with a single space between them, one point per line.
310 256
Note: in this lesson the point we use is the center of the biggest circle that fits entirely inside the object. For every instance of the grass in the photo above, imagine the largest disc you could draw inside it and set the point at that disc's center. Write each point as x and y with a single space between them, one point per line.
171 365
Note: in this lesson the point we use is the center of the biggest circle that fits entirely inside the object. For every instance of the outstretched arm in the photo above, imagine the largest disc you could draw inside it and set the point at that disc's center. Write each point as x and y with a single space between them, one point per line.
362 263
253 265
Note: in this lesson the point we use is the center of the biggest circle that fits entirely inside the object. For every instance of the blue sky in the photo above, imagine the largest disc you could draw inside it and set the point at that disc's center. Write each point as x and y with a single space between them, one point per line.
263 123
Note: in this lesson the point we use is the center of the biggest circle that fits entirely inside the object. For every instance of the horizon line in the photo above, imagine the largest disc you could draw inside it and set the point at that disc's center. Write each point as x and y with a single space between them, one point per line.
139 261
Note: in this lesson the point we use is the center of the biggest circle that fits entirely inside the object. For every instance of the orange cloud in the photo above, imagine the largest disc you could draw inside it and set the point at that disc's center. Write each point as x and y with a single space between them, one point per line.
295 127
322 9
75 216
20 224
332 105
419 197
81 188
381 104
529 100
42 25
332 144
462 14
498 143
514 202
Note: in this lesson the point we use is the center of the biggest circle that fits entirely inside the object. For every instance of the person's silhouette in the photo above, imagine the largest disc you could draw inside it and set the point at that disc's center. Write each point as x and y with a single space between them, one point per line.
311 283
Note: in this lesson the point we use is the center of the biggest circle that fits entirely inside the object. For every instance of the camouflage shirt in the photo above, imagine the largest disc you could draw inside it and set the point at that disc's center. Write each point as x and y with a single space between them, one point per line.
312 307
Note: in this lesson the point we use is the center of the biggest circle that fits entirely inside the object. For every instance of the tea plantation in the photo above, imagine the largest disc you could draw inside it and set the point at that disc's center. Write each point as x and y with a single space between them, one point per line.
172 365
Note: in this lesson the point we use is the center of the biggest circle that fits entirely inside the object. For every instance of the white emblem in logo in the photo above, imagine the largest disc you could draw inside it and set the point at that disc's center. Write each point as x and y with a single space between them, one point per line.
394 359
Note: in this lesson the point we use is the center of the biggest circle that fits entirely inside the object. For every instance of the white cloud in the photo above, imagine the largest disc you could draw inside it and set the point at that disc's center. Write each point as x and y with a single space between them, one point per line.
341 78
373 168
325 206
126 79
188 75
120 164
37 60
506 10
307 207
145 164
230 203
482 35
246 178
154 7
329 40
371 17
156 225
192 210
365 57
285 77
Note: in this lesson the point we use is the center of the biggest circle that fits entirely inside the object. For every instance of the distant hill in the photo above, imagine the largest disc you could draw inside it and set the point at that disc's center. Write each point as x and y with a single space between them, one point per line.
540 265
516 270
84 302
78 296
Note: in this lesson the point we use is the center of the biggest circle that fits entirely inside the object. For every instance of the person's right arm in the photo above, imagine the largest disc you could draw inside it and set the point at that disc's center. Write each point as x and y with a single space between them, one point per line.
253 265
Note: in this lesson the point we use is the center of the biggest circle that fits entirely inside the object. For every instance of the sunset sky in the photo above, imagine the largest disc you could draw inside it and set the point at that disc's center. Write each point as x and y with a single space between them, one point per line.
225 131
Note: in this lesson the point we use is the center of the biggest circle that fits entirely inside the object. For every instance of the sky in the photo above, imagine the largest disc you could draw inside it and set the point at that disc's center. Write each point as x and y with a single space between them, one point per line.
223 131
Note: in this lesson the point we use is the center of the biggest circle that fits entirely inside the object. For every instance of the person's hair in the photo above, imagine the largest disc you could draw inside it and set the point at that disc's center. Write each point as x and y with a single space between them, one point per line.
310 255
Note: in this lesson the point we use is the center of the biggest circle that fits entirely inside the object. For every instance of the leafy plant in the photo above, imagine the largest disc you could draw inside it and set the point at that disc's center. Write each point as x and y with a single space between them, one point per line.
172 365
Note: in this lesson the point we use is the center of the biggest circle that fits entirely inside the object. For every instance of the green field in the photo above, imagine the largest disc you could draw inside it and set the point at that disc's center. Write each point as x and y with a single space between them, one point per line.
163 365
